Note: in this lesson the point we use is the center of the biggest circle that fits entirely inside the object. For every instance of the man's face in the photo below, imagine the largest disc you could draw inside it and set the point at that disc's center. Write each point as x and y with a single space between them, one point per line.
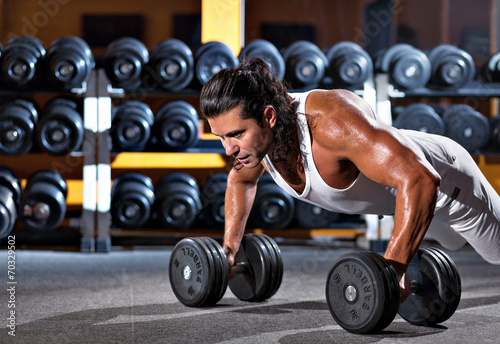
244 139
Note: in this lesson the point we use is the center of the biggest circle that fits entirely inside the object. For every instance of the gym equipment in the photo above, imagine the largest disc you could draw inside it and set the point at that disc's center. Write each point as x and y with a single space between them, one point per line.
131 126
10 198
172 62
407 66
60 129
466 126
349 65
176 126
124 62
199 272
305 64
132 200
268 52
178 201
211 58
43 204
495 132
213 198
17 125
69 62
22 61
273 207
309 215
491 69
363 293
452 67
420 117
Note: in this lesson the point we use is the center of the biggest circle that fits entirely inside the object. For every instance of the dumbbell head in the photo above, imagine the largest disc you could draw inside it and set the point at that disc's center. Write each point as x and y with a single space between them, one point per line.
173 64
305 63
199 273
436 288
124 61
69 61
10 198
273 207
17 124
177 200
213 199
268 52
132 199
495 132
21 60
467 127
348 64
491 69
408 67
211 58
131 126
9 180
43 205
309 215
177 125
420 117
60 130
452 67
362 292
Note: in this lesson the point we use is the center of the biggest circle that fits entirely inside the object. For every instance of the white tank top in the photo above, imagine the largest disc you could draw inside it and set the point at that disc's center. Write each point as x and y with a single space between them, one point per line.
363 196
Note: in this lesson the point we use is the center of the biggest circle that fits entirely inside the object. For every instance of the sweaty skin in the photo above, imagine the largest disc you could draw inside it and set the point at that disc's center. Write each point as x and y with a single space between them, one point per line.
346 139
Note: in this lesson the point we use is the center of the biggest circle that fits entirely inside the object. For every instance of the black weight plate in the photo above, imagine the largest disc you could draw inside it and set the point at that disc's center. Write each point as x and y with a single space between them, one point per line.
250 285
272 264
279 264
349 64
276 263
420 117
393 294
268 52
51 205
191 272
10 181
221 276
309 215
50 177
225 267
132 177
177 205
181 177
427 304
452 67
273 207
8 211
356 292
211 58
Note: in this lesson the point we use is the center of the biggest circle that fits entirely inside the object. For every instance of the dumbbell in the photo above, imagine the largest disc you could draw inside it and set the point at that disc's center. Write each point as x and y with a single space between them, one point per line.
22 61
495 132
273 207
176 126
17 125
452 67
172 63
124 62
132 200
211 58
305 64
266 51
43 205
420 117
363 294
199 272
466 126
10 198
349 65
407 66
212 195
131 126
309 215
491 69
69 62
60 129
178 201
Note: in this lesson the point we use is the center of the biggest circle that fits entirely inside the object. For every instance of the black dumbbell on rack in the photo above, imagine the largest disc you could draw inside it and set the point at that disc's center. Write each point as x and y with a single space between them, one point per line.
495 132
18 119
23 62
212 196
305 65
199 272
132 200
309 216
178 201
420 117
10 199
131 126
172 65
60 128
452 67
266 51
363 293
43 204
69 62
211 58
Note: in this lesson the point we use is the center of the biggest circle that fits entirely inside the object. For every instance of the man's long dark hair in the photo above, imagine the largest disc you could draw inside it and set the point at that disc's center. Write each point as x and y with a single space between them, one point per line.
252 86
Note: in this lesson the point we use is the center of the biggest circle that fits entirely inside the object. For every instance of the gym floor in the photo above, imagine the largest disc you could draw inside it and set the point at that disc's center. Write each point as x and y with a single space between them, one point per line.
125 297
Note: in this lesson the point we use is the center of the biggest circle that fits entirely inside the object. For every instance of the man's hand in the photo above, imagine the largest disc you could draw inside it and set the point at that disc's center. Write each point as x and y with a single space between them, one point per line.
404 281
231 259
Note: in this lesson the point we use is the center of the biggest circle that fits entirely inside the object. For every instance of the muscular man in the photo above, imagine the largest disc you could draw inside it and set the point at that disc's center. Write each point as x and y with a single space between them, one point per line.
328 148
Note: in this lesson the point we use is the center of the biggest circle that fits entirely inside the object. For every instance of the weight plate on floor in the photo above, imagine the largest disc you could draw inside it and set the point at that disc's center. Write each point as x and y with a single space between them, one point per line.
426 305
251 284
191 272
279 260
272 264
276 264
356 292
221 270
